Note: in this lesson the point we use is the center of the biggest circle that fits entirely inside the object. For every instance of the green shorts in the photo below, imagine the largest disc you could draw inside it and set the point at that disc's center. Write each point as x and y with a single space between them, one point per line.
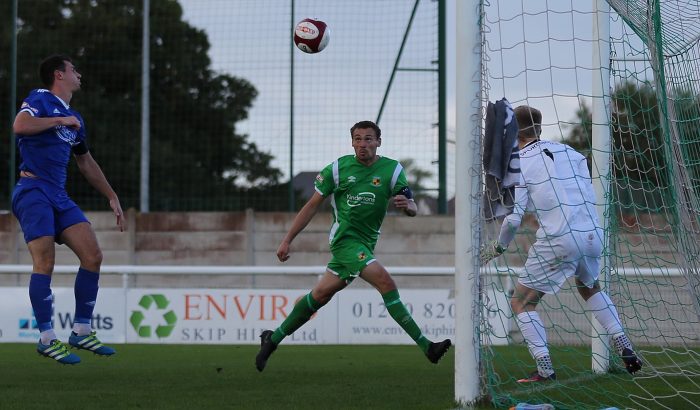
349 258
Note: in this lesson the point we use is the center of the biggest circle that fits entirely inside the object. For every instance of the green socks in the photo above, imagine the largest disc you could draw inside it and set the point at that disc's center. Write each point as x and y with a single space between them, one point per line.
398 312
302 312
307 306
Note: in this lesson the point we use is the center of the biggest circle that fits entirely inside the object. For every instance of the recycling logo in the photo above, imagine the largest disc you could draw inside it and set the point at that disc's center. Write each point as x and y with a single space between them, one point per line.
158 303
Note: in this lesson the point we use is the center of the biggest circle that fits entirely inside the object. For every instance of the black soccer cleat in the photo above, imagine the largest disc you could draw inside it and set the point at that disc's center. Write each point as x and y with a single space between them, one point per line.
632 363
437 350
267 346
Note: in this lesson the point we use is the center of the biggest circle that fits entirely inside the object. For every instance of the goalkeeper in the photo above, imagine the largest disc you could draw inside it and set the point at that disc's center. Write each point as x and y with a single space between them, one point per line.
555 185
361 187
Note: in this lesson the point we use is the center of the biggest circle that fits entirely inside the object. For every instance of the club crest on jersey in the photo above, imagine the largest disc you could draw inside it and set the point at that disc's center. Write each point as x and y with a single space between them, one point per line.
361 256
376 181
319 178
66 134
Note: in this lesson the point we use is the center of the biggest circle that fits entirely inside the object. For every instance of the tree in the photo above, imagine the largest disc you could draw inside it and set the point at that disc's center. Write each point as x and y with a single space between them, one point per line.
5 34
416 177
639 165
199 161
580 135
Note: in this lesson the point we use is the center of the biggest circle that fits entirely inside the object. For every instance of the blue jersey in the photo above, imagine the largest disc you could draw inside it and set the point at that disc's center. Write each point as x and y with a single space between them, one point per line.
47 153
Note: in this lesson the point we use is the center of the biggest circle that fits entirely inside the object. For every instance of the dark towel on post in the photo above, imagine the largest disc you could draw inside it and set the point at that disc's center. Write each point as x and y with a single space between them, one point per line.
500 159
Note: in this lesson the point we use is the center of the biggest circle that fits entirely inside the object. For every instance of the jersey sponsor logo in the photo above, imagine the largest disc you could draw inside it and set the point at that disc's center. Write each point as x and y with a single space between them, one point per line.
352 179
376 181
66 134
363 198
55 111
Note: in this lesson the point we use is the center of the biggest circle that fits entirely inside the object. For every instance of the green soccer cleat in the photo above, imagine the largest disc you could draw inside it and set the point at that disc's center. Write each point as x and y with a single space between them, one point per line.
437 350
58 351
90 342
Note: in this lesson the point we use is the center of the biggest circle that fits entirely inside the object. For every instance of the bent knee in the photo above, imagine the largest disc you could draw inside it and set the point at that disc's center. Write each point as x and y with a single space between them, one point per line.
585 291
43 262
44 265
521 304
322 296
517 305
385 284
92 260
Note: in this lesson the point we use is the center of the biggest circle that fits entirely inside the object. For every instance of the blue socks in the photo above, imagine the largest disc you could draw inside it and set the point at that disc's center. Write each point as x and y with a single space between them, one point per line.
85 295
42 300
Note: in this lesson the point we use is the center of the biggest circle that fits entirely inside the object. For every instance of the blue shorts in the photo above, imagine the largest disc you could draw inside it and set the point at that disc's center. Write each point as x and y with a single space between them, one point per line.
43 209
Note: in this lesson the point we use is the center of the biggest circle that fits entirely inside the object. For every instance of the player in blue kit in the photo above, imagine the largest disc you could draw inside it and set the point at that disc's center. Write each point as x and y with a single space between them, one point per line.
48 131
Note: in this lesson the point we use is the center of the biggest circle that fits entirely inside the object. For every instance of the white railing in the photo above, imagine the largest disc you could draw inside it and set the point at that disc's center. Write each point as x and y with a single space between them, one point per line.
225 270
307 270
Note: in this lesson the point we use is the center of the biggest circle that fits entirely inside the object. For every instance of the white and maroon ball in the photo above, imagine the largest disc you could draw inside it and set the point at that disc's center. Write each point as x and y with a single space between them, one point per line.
311 36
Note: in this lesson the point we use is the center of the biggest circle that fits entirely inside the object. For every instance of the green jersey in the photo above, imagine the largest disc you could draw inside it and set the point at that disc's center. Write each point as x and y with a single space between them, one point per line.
360 196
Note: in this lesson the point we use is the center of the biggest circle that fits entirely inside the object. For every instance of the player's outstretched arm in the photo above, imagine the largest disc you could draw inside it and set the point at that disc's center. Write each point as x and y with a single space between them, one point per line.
93 173
25 124
300 221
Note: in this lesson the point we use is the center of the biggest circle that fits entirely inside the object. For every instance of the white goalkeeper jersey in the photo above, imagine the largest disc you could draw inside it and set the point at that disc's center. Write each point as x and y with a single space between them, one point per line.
555 184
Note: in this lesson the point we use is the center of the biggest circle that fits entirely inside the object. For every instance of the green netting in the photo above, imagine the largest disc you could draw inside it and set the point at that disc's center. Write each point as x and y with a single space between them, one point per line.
540 54
223 136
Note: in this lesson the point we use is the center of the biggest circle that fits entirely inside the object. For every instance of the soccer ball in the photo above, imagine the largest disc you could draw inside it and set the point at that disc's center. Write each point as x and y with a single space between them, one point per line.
311 36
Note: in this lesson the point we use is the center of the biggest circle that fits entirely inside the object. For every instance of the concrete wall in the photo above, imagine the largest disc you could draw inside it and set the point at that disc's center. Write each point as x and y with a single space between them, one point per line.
252 238
238 239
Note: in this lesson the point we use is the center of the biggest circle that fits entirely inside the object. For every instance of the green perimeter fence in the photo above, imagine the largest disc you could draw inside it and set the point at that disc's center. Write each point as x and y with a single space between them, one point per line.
234 109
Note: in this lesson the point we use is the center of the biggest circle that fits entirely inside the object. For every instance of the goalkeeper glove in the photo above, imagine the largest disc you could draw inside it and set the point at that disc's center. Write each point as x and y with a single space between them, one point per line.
489 251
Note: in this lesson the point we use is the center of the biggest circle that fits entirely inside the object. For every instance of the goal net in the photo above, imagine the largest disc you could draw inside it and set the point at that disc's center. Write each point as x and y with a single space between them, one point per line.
647 168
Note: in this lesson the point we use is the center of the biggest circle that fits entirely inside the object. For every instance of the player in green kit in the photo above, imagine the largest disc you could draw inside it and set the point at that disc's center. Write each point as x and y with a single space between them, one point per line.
360 187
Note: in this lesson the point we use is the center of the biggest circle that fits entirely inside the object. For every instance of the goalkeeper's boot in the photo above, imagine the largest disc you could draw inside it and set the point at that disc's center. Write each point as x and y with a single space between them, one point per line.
536 377
438 349
58 351
267 346
632 362
90 342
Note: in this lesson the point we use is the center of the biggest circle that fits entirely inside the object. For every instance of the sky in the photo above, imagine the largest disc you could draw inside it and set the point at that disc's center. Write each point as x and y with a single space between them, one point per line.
335 88
537 52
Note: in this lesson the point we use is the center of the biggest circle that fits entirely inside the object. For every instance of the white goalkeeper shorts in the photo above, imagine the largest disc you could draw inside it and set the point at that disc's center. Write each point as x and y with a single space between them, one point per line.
550 262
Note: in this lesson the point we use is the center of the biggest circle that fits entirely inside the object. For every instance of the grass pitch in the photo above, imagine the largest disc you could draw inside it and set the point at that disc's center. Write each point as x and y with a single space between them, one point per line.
214 376
668 380
320 377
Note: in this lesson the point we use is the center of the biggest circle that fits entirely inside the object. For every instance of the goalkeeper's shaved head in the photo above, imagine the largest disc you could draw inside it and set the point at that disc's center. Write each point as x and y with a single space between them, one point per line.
529 121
